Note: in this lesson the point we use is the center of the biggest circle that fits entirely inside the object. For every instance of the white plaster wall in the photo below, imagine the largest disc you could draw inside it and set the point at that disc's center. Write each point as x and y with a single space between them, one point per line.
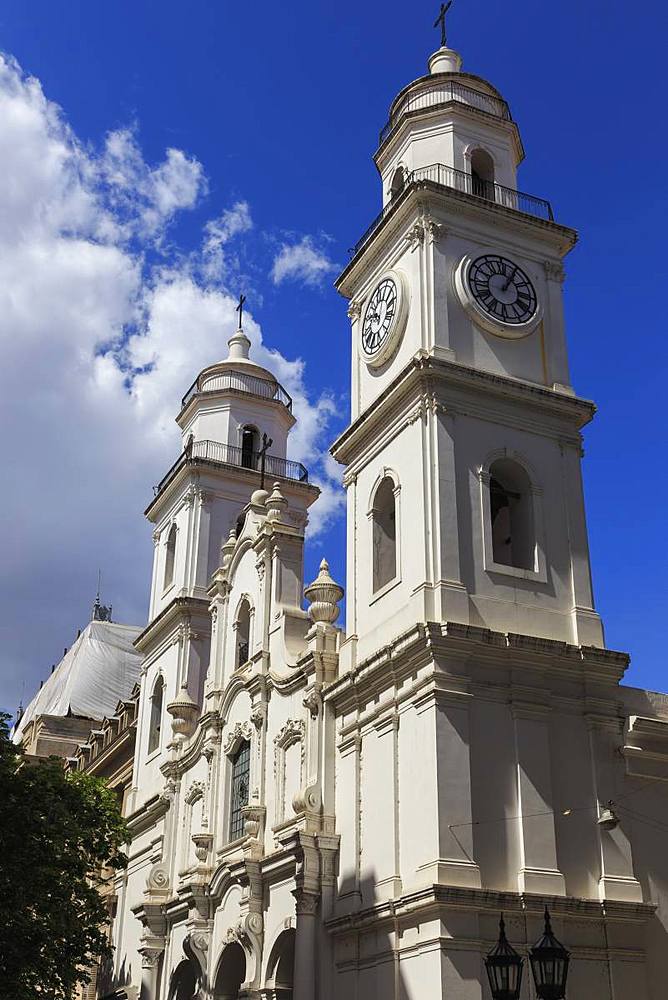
367 611
224 420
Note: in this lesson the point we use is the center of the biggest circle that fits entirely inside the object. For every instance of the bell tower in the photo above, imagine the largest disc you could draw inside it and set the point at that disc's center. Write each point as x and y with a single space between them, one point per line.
234 422
462 458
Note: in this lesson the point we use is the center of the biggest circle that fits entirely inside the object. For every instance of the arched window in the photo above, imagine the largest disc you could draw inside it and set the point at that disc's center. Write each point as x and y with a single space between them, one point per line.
170 556
398 182
155 719
384 517
249 447
240 789
243 633
482 174
511 508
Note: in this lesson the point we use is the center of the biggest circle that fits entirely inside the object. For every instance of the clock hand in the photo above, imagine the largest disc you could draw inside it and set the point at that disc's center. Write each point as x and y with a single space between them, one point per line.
512 275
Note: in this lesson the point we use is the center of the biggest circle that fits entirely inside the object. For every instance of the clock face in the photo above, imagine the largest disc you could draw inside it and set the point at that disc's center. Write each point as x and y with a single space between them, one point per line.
380 316
502 290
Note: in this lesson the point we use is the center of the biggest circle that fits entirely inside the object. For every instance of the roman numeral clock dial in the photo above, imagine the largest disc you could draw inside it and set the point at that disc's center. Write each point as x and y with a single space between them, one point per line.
384 320
498 294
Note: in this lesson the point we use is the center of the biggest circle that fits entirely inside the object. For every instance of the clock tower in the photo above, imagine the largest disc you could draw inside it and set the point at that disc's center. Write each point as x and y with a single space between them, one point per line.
465 500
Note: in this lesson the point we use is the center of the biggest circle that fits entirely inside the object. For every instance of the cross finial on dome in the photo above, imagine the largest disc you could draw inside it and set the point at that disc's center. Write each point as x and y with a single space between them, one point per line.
440 20
240 310
239 344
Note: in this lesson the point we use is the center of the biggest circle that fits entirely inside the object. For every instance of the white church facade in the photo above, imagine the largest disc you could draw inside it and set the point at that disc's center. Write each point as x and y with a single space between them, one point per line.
321 812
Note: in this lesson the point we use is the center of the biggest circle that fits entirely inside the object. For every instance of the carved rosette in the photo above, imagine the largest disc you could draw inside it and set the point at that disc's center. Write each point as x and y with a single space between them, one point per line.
323 596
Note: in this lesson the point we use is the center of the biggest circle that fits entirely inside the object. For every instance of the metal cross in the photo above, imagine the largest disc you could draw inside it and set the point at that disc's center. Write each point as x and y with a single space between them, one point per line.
445 7
240 310
266 445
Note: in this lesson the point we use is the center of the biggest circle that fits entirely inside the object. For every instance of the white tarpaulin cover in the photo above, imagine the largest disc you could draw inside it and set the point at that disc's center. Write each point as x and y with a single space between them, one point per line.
98 671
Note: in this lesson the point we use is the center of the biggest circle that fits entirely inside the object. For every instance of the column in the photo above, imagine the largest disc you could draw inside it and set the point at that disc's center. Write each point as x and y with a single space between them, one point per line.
150 964
305 945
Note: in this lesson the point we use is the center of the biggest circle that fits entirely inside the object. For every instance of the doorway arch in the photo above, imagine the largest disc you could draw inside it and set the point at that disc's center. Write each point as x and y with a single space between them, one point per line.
231 972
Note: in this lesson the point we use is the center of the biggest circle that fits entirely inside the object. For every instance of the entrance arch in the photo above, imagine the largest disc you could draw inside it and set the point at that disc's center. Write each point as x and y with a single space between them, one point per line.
184 983
231 973
281 965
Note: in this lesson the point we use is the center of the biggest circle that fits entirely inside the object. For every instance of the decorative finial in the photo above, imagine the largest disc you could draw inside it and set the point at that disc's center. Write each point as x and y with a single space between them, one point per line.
100 612
440 20
240 310
276 504
323 595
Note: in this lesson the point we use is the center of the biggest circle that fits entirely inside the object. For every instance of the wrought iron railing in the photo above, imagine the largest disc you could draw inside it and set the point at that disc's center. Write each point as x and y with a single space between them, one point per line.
217 453
444 93
252 385
457 180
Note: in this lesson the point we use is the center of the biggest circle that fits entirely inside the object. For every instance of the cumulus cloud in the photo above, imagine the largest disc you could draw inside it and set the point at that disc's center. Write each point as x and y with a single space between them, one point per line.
100 333
217 234
302 261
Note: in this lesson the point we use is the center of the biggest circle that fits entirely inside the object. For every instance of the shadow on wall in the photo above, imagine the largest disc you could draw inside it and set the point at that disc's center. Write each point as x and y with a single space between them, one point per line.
187 983
398 959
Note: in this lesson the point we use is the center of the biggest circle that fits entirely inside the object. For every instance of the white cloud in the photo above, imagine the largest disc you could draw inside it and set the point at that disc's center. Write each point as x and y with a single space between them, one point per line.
302 261
218 233
96 349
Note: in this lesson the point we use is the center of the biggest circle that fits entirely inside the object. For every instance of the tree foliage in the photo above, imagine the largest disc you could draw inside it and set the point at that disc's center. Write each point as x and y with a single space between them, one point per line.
60 838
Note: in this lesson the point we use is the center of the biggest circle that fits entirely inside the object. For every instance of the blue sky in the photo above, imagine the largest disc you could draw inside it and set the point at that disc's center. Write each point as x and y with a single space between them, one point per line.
276 108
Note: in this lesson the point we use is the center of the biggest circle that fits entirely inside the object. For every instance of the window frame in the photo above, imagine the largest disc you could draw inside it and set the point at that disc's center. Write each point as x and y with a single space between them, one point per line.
241 745
153 750
539 573
376 595
173 532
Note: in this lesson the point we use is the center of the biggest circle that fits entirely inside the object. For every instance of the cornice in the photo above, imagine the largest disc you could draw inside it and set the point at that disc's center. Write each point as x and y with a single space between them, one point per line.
452 108
411 202
437 897
429 643
197 468
147 815
435 377
177 609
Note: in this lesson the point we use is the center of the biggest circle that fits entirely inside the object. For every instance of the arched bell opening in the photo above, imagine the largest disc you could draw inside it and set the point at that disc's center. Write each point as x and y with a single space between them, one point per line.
231 973
482 174
511 508
250 437
384 535
398 182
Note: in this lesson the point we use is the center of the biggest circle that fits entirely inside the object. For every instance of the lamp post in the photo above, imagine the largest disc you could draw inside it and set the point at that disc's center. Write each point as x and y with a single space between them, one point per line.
504 968
549 964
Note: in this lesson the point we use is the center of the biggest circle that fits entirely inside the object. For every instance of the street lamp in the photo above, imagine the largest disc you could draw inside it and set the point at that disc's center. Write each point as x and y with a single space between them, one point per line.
549 964
504 968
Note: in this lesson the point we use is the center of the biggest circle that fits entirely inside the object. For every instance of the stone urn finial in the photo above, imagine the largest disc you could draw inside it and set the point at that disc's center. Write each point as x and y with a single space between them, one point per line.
276 504
323 595
184 712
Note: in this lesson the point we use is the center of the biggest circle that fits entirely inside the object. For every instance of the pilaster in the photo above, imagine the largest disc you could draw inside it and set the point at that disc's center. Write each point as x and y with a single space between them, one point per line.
539 871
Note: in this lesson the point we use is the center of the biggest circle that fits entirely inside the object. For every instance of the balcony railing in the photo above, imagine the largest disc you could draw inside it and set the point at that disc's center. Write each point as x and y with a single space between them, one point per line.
444 93
457 180
252 385
217 453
